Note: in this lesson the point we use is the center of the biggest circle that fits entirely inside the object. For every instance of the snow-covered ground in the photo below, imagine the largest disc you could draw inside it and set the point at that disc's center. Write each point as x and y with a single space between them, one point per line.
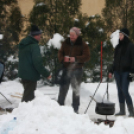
43 115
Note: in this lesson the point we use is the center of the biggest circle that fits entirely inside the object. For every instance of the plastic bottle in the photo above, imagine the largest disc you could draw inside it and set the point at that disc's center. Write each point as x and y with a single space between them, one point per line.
9 126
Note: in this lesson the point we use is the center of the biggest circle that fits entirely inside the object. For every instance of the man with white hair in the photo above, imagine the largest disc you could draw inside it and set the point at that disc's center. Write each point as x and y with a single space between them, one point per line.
73 54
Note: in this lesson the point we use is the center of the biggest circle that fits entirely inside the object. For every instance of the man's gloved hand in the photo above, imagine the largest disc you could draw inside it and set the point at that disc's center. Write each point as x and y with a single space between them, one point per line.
131 77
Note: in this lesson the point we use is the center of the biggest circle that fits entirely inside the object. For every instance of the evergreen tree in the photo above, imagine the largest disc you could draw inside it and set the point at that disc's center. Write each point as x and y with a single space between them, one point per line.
58 17
95 34
118 14
10 26
54 16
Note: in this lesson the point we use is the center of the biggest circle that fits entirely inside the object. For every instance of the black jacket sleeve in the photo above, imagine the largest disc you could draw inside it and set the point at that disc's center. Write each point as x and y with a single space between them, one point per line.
132 57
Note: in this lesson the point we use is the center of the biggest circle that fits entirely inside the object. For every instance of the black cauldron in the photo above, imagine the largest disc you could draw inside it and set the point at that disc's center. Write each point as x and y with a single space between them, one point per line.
105 108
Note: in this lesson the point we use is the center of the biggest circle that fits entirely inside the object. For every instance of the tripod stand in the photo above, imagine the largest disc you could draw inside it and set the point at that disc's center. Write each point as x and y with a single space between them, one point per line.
106 121
6 98
8 102
103 108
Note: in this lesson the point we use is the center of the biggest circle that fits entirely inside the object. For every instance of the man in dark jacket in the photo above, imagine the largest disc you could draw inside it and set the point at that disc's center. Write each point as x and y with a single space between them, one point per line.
30 63
73 54
123 65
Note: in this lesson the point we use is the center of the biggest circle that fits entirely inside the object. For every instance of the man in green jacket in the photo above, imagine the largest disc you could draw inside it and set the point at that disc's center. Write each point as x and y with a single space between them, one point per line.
30 63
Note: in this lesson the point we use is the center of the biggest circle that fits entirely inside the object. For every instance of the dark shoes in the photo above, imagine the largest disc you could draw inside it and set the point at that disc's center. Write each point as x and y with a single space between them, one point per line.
131 110
122 110
76 111
120 114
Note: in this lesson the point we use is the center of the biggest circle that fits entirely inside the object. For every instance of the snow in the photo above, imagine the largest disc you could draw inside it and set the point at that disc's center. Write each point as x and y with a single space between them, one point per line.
44 115
92 16
1 36
115 38
101 30
104 43
87 42
42 50
76 20
12 59
40 4
56 41
87 24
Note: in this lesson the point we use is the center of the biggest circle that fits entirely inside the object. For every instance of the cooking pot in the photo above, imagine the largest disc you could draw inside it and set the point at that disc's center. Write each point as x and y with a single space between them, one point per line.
104 108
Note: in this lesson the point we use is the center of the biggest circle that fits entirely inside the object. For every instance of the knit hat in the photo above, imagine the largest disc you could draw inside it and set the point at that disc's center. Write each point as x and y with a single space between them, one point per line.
35 30
76 30
125 31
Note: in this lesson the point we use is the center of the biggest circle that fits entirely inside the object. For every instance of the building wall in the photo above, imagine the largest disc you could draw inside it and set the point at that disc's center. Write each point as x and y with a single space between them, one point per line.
25 6
91 7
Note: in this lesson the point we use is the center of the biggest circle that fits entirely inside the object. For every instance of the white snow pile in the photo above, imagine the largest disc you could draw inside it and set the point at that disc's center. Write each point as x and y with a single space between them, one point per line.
42 50
92 16
1 36
45 116
76 20
87 24
101 30
40 4
56 41
12 59
10 89
115 38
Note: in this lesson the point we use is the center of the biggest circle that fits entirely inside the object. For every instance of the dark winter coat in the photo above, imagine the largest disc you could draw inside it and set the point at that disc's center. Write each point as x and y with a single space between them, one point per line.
79 50
30 60
123 57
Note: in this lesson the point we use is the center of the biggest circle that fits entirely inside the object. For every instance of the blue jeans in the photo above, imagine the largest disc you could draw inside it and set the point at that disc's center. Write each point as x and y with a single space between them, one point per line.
122 83
1 69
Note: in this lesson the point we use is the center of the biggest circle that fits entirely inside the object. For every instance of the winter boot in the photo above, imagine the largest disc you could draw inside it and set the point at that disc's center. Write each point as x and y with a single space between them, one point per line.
122 110
76 111
131 110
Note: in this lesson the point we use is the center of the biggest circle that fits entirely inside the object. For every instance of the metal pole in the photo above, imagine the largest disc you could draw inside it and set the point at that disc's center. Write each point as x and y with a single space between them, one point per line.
101 62
55 32
126 13
56 16
6 98
92 97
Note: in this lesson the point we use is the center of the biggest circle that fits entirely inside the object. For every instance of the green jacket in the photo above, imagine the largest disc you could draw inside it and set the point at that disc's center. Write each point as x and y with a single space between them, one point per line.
30 60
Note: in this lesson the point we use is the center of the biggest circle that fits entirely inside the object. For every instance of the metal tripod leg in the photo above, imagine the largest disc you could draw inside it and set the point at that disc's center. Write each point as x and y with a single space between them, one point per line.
6 98
92 97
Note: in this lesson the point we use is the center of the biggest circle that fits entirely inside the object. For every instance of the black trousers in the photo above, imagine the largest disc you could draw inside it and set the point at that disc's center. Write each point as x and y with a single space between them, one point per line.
73 77
29 88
